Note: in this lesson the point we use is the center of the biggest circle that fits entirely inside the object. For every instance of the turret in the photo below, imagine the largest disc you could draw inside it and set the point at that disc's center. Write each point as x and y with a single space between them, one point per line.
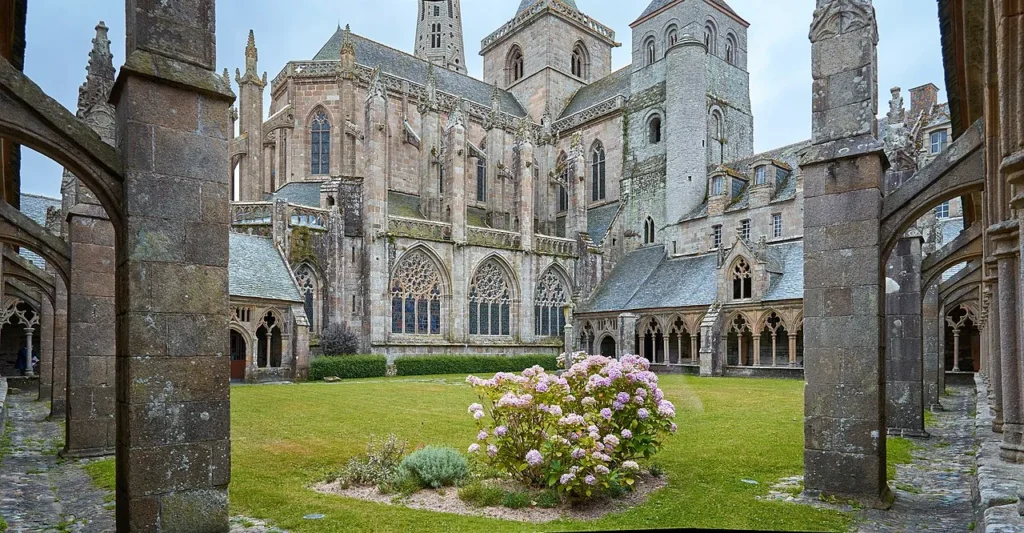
685 127
252 183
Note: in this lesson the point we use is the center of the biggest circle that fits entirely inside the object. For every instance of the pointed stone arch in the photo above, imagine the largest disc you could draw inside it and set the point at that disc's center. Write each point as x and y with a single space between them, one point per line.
552 296
311 289
420 288
493 298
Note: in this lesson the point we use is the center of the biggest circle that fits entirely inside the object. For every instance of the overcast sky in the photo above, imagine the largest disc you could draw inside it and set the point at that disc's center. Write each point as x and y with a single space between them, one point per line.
60 33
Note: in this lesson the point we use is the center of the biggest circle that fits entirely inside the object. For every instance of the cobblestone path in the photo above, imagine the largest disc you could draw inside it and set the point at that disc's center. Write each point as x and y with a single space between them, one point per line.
40 492
934 492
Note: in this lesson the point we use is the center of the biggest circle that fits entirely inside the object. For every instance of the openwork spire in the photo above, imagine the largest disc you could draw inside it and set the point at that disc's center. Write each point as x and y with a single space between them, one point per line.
251 55
347 46
100 72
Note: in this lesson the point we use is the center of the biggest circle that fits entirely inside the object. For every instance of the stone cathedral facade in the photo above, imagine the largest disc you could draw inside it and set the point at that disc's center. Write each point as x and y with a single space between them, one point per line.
553 203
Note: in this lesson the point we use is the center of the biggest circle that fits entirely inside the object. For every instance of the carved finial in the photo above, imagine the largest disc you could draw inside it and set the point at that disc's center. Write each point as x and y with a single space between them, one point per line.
524 131
376 89
347 46
251 55
226 76
576 144
99 78
896 111
456 119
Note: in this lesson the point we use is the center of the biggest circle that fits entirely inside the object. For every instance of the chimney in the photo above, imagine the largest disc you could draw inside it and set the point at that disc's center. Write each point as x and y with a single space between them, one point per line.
922 99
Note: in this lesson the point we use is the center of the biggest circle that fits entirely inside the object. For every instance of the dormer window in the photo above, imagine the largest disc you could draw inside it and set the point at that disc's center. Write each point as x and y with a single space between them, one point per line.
761 175
938 141
737 187
717 185
742 282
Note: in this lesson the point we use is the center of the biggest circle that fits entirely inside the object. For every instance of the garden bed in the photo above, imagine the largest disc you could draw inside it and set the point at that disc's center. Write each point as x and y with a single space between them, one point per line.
447 501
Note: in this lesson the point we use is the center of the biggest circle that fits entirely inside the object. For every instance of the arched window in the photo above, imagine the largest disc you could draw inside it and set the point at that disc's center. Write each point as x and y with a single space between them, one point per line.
490 301
672 37
551 298
309 288
514 65
416 294
268 342
579 61
652 51
320 141
742 284
654 130
481 180
562 168
711 37
598 167
649 231
716 131
730 49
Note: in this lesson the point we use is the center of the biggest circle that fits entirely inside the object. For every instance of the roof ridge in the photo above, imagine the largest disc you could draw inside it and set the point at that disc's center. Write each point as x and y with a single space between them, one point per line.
40 196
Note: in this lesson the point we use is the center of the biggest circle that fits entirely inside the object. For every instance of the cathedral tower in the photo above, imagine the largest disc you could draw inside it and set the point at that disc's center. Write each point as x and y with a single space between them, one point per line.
439 34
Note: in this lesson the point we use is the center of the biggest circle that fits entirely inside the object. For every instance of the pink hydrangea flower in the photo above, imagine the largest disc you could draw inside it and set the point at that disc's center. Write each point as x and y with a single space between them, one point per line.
606 413
601 469
475 407
500 431
643 413
673 428
627 434
478 415
622 397
534 458
611 440
590 480
630 465
578 453
474 448
482 435
566 479
492 450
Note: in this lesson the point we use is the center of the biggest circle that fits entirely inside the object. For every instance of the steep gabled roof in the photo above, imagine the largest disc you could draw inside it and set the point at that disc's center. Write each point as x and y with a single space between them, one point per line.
615 84
370 53
257 270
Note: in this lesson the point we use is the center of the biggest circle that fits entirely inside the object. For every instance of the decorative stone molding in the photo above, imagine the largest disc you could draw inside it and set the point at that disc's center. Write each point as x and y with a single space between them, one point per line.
556 246
594 112
492 238
836 17
536 11
419 229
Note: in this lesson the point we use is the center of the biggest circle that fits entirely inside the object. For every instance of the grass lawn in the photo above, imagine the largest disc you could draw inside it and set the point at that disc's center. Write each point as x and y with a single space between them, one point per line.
286 437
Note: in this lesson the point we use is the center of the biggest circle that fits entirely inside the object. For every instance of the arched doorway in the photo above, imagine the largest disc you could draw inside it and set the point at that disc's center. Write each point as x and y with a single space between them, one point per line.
608 347
238 352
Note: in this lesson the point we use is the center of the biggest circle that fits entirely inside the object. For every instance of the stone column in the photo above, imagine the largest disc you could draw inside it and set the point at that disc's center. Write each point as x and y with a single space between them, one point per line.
904 365
694 348
568 344
995 372
712 349
376 321
1005 239
792 349
29 348
933 363
627 334
956 350
45 349
173 453
58 396
757 350
91 339
844 451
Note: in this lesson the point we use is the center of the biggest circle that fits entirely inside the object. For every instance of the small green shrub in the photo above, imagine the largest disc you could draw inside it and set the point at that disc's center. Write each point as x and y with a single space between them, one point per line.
480 495
548 499
378 466
517 500
3 525
436 466
348 367
656 470
470 364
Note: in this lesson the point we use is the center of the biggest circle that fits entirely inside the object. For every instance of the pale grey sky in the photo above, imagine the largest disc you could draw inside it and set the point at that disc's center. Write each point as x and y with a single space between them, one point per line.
60 34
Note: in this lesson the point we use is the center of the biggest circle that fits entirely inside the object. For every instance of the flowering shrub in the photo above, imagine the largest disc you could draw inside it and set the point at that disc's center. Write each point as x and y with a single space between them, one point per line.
580 432
577 357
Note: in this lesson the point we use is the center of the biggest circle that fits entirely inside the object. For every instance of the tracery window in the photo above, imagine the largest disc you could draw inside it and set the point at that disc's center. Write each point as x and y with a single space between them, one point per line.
552 296
742 283
579 61
562 168
514 66
320 141
309 289
268 342
587 339
490 301
598 168
416 294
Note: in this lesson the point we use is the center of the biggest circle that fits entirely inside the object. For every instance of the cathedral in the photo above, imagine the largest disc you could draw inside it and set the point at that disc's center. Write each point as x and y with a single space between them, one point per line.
553 205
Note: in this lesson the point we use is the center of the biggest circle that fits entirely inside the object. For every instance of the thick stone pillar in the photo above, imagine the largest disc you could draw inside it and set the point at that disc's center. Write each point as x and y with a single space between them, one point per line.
58 393
377 324
30 348
627 334
712 345
995 371
91 338
904 365
576 218
45 349
845 425
933 363
1005 238
173 368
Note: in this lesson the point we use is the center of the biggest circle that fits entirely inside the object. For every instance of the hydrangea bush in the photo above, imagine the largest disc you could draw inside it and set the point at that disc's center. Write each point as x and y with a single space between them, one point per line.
581 432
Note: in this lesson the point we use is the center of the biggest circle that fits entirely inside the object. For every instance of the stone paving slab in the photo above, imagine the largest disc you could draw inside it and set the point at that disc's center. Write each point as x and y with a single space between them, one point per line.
998 484
42 493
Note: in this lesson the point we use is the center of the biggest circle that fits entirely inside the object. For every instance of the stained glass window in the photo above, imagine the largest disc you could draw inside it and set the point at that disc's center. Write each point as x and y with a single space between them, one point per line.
598 168
320 156
551 298
416 294
490 298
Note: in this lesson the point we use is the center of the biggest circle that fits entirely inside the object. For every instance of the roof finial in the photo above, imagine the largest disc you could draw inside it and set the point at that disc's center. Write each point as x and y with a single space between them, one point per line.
100 71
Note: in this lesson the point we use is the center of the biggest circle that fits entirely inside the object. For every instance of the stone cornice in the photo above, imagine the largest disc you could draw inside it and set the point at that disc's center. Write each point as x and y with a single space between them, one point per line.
537 11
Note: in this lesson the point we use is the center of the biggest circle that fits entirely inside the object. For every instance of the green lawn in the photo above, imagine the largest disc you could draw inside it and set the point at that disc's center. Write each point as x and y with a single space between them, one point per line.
285 438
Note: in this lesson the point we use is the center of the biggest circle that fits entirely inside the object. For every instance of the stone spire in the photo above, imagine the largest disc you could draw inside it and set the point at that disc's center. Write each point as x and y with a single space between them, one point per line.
347 53
251 64
99 79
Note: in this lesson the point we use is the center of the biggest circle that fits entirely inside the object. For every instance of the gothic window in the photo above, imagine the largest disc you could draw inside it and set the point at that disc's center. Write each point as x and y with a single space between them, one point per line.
320 140
587 339
711 37
717 133
268 342
563 199
309 289
579 61
776 225
416 294
742 283
490 301
745 229
716 237
514 66
654 130
730 49
551 298
649 231
761 175
598 168
652 51
481 180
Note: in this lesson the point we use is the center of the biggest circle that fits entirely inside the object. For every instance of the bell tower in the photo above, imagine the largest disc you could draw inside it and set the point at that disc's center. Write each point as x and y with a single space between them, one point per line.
439 34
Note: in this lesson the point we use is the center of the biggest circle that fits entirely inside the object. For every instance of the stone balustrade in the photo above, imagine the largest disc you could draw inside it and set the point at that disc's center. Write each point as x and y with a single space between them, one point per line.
492 238
308 217
547 245
252 213
419 229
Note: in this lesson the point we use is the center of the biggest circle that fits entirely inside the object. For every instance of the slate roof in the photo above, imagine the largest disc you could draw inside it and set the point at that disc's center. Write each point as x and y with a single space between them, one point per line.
397 63
615 84
525 4
34 207
299 193
257 270
659 4
599 219
648 279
